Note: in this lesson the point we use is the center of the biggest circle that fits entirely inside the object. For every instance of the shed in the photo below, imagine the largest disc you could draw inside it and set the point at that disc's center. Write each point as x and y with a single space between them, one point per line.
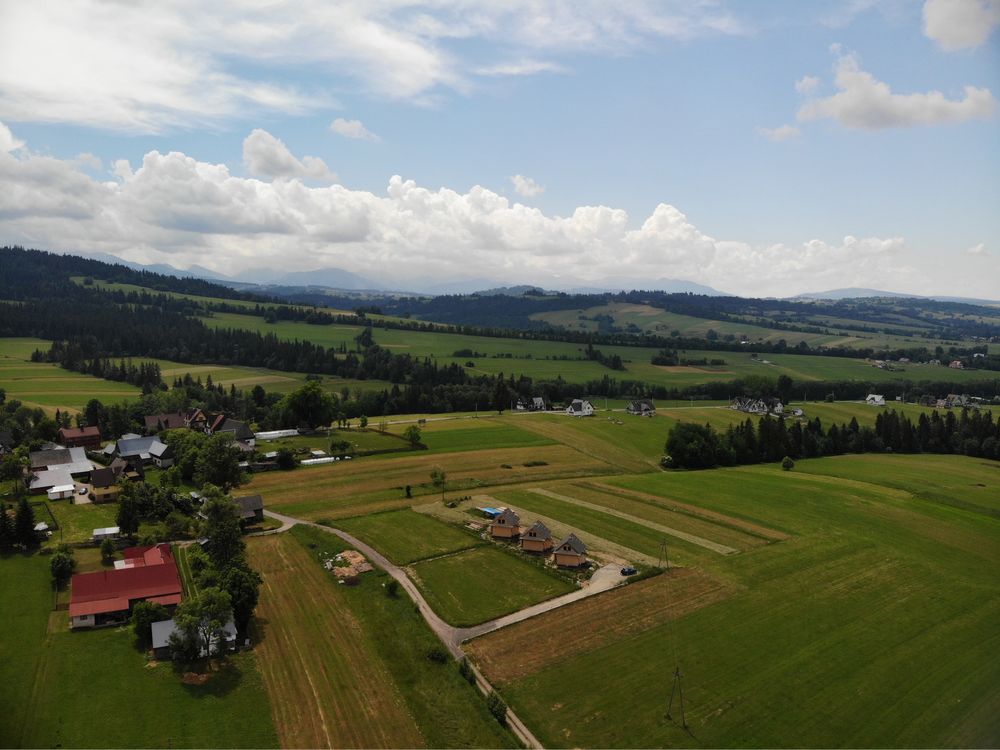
251 508
108 532
165 628
62 492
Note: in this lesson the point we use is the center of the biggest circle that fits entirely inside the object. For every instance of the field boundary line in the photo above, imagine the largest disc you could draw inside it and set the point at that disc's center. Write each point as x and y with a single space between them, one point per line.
748 527
708 544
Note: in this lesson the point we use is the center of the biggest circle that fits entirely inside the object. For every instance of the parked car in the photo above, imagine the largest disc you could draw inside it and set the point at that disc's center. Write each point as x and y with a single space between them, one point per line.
82 491
628 570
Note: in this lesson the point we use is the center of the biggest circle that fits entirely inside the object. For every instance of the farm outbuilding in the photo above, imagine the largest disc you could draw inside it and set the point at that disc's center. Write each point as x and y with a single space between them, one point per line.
108 532
62 492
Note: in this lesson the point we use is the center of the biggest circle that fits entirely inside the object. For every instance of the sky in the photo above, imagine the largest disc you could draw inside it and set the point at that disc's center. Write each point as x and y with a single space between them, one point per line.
763 148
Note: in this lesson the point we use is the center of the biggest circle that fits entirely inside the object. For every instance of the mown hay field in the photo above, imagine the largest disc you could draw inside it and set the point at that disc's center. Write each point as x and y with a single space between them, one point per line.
872 624
328 688
348 666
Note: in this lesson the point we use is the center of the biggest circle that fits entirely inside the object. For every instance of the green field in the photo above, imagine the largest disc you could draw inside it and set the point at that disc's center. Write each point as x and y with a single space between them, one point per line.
452 437
547 360
874 624
47 385
660 322
406 537
54 683
478 585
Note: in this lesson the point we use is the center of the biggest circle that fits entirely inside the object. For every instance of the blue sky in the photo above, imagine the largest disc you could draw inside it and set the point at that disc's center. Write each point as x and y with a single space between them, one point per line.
761 148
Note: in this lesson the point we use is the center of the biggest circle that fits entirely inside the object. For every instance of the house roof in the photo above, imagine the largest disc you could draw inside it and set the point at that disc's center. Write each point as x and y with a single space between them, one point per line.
104 477
162 631
75 433
238 428
170 421
574 544
46 478
249 505
539 530
74 458
136 446
106 590
508 517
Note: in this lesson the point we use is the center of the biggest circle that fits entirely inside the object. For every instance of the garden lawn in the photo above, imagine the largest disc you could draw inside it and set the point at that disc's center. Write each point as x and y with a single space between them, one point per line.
405 536
481 584
94 689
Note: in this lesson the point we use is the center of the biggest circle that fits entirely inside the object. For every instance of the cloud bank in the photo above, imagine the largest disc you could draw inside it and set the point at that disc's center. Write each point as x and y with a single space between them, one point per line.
173 208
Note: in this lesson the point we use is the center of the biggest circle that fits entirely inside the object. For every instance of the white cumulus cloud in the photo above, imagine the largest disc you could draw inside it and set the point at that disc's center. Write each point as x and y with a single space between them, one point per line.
175 209
960 24
352 129
781 133
267 156
978 250
526 186
806 84
864 102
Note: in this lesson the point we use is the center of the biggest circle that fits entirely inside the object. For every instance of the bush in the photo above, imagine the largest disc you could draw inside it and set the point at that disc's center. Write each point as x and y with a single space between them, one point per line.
437 655
787 463
465 669
536 463
497 707
107 549
392 589
62 566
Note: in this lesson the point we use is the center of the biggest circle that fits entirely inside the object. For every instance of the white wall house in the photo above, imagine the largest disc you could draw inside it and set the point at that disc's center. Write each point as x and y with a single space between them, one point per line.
875 399
580 408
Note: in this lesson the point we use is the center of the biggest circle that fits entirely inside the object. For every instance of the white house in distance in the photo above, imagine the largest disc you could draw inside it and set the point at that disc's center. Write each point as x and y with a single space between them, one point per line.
580 408
875 399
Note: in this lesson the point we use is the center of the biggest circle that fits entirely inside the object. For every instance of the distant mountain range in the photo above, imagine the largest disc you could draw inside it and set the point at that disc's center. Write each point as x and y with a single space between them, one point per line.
861 292
340 280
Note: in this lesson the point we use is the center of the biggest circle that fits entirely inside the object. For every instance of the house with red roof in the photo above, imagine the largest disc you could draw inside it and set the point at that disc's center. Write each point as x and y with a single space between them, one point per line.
106 597
80 437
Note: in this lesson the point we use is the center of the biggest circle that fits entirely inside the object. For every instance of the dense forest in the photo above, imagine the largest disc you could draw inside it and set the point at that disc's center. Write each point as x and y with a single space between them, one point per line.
694 446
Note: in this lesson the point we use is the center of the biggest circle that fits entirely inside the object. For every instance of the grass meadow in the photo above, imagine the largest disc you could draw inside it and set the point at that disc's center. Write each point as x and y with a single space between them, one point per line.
54 683
872 624
483 583
406 537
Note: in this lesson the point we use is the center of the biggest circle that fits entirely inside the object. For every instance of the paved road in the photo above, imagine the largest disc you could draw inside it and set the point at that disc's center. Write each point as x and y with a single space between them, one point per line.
606 578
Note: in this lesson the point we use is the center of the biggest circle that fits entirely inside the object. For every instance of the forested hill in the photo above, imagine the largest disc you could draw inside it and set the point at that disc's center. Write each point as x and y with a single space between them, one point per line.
32 274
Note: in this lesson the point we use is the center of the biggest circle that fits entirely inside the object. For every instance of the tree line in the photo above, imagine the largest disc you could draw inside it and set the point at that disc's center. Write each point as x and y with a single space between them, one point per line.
695 446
